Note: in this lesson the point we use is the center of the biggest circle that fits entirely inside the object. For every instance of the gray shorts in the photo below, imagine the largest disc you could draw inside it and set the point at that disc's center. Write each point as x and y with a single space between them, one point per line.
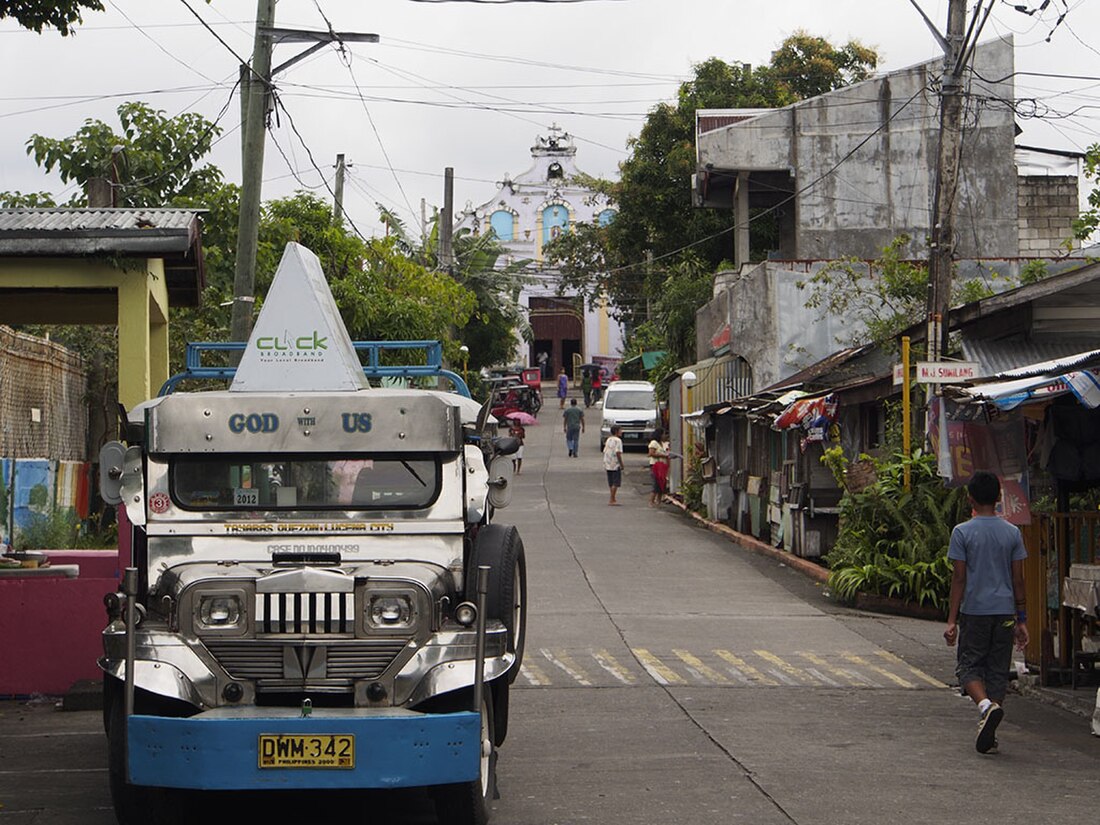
985 652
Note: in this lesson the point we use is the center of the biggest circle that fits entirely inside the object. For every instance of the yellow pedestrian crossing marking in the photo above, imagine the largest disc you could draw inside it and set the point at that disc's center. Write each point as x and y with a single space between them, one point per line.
660 672
916 671
893 677
564 661
609 663
754 668
744 667
786 667
697 666
848 676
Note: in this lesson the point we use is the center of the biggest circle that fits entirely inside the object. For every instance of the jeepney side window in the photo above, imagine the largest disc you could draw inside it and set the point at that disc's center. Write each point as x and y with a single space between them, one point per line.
246 482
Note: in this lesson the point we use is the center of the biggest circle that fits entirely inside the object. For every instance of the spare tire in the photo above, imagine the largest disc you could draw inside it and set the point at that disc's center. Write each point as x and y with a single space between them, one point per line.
501 549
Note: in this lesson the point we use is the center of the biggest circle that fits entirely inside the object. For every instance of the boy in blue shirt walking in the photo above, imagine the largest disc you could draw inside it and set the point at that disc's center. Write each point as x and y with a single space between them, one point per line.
986 613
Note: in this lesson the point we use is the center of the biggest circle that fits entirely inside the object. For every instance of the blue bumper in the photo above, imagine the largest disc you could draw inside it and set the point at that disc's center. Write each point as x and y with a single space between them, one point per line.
218 751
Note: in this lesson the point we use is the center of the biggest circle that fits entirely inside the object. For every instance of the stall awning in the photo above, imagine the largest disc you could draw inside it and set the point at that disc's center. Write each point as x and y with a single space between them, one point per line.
1007 395
1076 374
807 412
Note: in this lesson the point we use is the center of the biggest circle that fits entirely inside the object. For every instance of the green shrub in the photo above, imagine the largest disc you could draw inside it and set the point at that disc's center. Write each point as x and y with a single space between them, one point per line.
893 542
48 531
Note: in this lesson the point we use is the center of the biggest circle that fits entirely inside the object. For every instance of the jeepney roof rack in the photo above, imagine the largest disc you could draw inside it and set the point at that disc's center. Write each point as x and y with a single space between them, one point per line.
373 368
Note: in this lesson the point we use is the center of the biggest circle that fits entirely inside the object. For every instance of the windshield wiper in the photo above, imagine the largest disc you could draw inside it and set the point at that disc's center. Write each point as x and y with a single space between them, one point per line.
414 474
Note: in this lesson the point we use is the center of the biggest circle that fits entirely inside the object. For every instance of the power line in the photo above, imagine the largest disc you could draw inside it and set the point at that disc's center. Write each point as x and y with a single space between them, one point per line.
346 59
313 162
158 44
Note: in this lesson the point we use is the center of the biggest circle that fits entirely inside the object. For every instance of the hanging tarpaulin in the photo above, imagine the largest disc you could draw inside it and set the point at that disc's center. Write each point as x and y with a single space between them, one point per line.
997 446
1085 386
814 415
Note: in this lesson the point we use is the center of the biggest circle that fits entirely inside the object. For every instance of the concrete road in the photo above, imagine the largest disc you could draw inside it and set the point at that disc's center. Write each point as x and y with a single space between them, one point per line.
670 677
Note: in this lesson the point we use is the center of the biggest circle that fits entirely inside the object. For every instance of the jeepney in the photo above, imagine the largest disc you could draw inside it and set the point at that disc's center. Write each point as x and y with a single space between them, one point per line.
318 597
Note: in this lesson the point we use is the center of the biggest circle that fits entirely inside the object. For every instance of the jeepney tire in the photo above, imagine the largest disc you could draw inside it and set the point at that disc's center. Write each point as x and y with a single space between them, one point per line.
501 548
137 804
500 689
467 803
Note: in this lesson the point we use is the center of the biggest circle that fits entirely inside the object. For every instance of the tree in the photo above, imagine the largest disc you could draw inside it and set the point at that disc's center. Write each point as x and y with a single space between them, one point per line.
36 15
1089 221
809 66
884 297
153 160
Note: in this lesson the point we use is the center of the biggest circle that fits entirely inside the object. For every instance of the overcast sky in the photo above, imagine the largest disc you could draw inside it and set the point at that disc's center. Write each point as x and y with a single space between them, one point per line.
471 84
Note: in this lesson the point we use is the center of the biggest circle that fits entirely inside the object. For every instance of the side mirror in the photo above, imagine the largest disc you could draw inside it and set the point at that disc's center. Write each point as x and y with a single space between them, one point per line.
505 445
112 458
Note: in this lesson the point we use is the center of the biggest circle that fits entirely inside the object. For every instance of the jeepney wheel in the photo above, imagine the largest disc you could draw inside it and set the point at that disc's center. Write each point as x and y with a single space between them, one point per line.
136 804
467 803
501 548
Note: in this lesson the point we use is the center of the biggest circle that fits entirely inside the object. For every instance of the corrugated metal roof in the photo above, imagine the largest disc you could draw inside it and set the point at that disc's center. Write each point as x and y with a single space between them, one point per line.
173 235
1018 357
20 221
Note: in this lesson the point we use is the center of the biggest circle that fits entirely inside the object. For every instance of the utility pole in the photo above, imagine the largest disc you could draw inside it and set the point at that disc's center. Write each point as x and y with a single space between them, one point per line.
254 130
338 193
958 47
446 221
255 103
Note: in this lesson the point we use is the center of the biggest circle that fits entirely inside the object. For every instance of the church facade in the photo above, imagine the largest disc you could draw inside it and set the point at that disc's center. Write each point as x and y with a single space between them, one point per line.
525 214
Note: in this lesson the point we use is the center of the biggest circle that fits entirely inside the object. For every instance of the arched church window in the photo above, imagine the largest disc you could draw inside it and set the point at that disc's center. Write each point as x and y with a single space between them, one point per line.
555 172
555 221
605 217
502 223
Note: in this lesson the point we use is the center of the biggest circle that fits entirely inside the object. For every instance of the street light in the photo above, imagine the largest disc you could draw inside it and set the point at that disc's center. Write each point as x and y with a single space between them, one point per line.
689 378
465 350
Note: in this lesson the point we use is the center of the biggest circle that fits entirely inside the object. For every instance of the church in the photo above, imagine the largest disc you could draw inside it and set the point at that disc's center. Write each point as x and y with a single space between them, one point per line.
526 213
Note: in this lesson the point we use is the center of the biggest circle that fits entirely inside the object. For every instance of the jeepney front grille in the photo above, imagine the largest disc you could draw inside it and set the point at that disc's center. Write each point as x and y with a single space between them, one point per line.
266 660
313 613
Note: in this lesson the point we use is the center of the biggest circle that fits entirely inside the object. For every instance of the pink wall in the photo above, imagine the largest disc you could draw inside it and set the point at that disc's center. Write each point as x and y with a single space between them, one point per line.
50 626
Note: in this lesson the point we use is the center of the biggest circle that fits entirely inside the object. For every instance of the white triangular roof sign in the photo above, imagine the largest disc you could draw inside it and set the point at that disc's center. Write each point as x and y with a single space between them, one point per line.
299 342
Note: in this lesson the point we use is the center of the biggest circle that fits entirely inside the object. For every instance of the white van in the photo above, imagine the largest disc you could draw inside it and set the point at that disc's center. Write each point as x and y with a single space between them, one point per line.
633 406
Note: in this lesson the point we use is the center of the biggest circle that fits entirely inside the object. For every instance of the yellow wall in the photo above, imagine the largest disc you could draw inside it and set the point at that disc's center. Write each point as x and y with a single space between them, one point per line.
95 292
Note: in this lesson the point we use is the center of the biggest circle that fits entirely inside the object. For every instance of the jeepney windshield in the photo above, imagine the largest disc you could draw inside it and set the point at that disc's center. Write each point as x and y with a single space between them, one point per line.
303 482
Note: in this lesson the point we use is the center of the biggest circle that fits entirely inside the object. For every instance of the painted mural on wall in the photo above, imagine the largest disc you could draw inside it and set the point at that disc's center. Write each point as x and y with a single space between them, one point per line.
35 487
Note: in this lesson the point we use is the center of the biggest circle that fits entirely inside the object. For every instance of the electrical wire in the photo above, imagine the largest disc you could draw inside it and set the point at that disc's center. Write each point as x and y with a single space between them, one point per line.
313 161
346 59
157 43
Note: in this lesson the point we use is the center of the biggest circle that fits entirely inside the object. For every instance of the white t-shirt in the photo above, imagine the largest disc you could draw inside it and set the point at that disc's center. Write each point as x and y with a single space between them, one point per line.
611 449
658 451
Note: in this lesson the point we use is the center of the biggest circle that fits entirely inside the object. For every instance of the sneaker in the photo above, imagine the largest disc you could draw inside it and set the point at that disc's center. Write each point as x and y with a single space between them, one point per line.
987 728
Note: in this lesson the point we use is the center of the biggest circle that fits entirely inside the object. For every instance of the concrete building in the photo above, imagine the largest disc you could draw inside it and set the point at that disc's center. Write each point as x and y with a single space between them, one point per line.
846 173
526 213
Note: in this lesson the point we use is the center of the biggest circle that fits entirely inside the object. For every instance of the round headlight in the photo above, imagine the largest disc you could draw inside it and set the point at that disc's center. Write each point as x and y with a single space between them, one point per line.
466 614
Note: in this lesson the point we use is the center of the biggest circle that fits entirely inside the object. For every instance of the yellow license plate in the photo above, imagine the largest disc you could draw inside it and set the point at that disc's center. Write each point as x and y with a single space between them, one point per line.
280 750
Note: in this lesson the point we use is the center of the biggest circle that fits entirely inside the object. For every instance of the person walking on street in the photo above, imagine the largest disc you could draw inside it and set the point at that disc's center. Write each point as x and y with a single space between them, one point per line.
586 387
573 424
517 431
613 462
987 608
597 387
563 388
658 466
